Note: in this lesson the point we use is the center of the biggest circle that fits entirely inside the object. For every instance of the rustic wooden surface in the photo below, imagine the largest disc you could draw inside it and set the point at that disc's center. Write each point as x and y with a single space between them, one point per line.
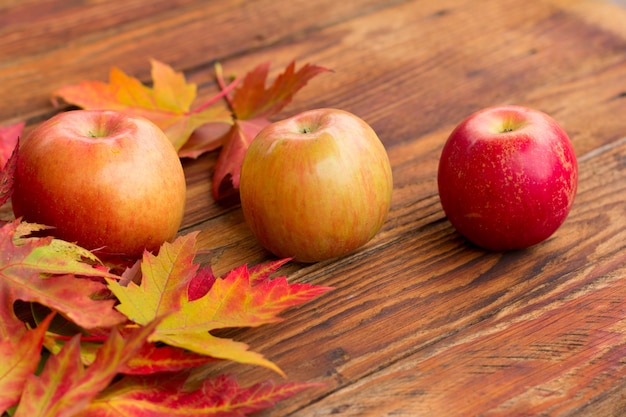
421 323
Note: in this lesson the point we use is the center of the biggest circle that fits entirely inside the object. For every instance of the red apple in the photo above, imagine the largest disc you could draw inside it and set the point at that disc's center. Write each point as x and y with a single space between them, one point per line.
316 186
507 177
103 179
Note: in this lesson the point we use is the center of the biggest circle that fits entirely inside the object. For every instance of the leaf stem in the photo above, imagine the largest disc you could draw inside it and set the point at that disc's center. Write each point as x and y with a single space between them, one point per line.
219 75
225 90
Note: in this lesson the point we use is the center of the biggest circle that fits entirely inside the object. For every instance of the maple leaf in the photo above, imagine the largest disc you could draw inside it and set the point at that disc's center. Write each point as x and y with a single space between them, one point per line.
156 396
168 103
151 359
228 165
189 316
261 272
45 270
7 176
18 347
200 284
252 105
65 387
205 138
9 136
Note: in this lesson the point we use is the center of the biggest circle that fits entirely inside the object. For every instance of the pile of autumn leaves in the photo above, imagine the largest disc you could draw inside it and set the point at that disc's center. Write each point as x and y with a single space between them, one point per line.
127 341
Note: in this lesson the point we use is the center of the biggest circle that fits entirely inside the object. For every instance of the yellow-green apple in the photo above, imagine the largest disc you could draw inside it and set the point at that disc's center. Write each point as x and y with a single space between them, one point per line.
104 179
316 186
507 177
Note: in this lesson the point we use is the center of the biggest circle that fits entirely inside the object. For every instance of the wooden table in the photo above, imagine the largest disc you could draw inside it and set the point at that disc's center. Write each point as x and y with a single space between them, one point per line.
421 323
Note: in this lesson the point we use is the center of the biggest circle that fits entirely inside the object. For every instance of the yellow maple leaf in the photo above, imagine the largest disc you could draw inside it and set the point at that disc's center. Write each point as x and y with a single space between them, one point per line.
168 103
192 302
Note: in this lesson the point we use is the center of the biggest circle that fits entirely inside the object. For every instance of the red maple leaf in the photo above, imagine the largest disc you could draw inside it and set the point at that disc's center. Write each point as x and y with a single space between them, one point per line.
153 358
253 104
45 270
18 347
65 387
7 174
9 144
193 302
169 397
169 298
9 136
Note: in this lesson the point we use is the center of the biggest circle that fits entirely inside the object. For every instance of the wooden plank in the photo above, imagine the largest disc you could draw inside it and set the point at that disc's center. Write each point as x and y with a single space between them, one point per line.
418 288
553 356
556 343
420 320
71 42
413 113
454 328
414 100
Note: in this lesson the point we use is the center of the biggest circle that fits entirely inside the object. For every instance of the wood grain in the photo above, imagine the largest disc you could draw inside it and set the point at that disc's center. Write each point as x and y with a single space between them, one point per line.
420 323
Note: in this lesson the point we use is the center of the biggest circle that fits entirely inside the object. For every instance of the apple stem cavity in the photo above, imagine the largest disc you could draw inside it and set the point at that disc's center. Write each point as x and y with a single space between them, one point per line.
511 125
98 132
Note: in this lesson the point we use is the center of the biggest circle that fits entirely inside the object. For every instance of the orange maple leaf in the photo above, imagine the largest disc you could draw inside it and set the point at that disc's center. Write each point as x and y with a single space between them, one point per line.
253 104
42 270
236 300
168 103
